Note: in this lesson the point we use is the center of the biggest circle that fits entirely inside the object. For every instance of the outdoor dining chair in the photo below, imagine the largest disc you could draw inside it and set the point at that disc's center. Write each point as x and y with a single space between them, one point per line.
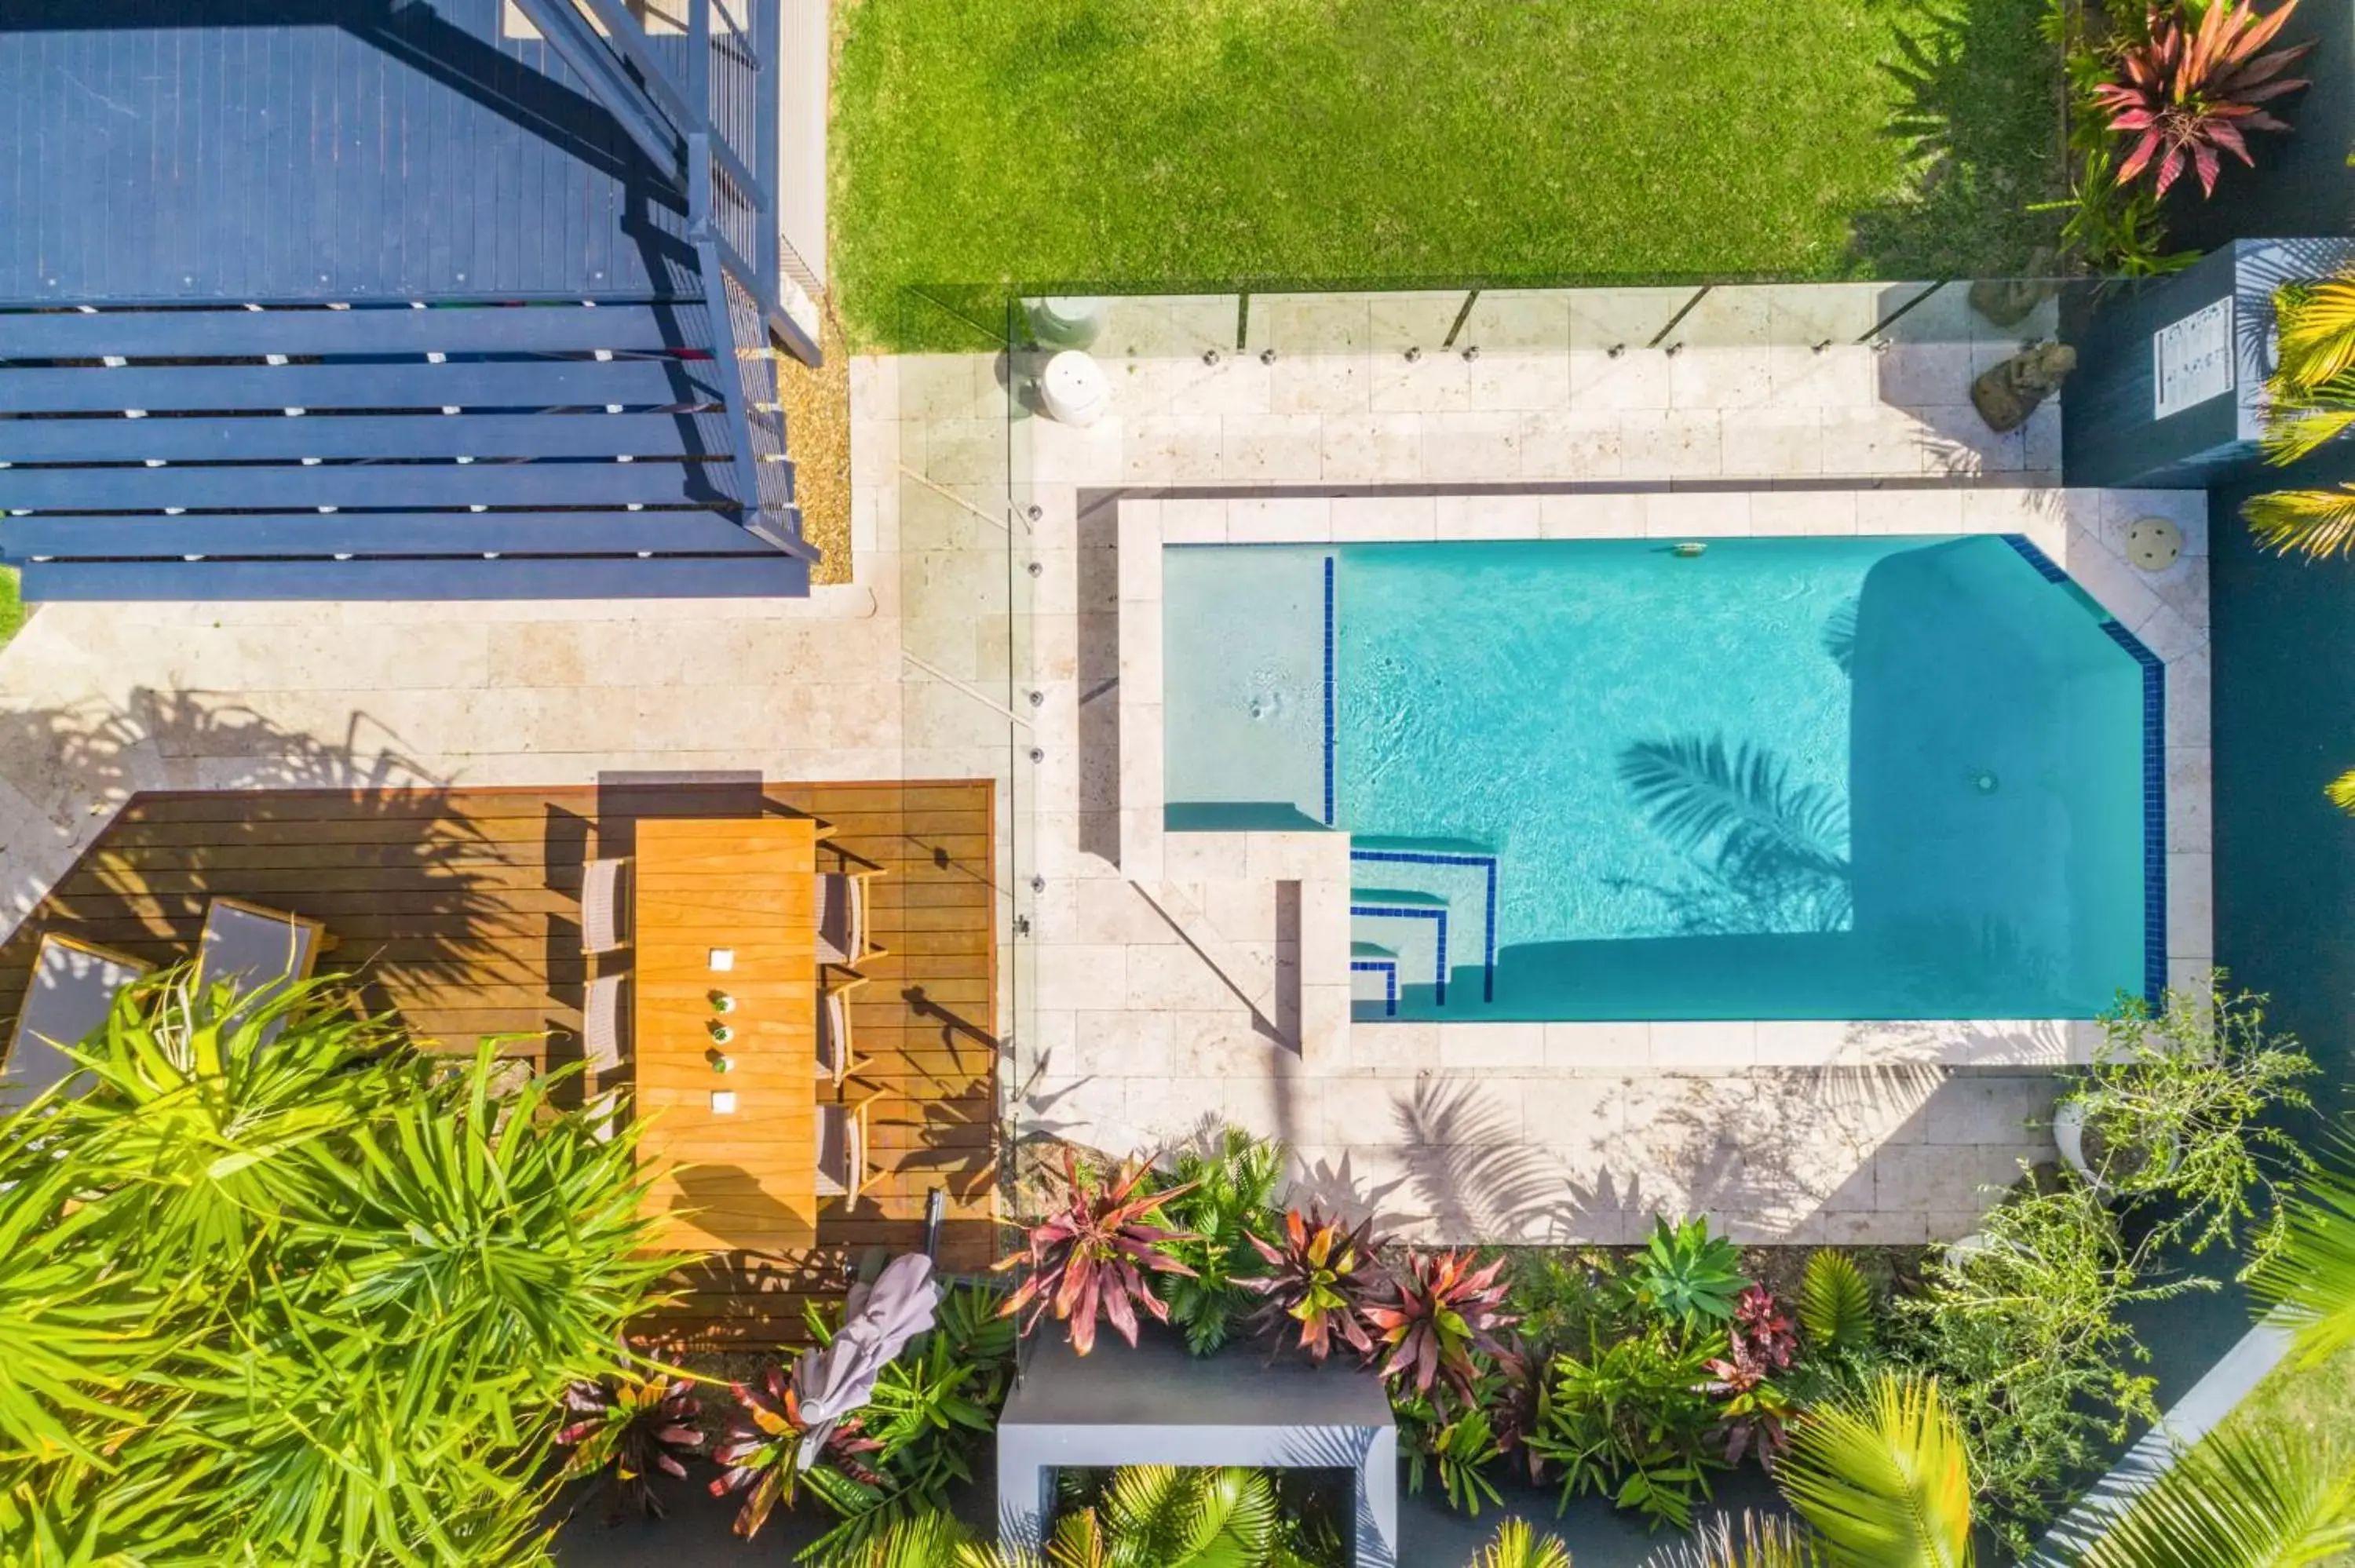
72 988
604 912
843 1150
256 951
601 1045
842 937
836 1058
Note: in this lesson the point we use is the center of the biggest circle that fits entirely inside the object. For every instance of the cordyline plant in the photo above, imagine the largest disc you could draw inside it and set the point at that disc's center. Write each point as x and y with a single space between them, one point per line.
1089 1257
1441 1310
1322 1277
1760 1342
2195 88
762 1451
635 1424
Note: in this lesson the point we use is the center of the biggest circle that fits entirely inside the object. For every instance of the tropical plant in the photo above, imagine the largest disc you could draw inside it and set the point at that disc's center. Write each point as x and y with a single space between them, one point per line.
2195 86
1441 1312
2313 1274
1459 1447
1233 1185
1759 1343
1632 1420
1689 1276
1884 1479
1835 1303
1089 1257
1158 1516
1323 1278
1518 1545
2238 1499
762 1455
2023 1331
635 1424
925 1536
2175 1102
2310 402
1767 1541
277 1288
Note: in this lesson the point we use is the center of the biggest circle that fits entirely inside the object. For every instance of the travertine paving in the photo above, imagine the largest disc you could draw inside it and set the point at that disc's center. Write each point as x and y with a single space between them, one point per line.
983 628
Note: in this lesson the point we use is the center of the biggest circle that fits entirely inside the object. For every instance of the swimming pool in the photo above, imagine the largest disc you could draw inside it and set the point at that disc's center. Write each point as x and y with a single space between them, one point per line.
1788 778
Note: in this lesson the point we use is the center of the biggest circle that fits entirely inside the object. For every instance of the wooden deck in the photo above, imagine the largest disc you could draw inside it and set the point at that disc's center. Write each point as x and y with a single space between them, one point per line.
458 910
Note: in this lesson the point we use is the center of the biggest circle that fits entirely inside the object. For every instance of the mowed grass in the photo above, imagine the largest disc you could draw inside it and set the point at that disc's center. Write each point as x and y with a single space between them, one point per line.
1210 144
11 603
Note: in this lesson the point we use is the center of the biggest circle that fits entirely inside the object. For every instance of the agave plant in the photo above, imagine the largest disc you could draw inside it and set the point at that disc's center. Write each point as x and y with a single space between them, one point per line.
1692 1277
635 1424
1090 1256
1883 1478
1440 1312
2195 87
762 1452
1322 1279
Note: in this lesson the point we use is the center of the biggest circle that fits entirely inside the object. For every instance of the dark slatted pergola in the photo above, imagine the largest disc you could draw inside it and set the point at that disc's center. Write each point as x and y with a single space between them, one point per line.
367 299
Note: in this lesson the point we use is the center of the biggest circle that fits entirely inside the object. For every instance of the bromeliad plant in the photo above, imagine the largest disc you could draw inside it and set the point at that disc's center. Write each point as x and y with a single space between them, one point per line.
1323 1278
1442 1314
1090 1256
2195 86
635 1424
762 1455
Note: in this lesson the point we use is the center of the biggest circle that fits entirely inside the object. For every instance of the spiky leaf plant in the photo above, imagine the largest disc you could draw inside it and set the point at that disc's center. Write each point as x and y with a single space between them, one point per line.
1766 1541
2195 86
1516 1546
2313 1276
1835 1303
1322 1279
1883 1478
636 1424
1690 1277
1089 1258
1441 1313
2240 1499
761 1456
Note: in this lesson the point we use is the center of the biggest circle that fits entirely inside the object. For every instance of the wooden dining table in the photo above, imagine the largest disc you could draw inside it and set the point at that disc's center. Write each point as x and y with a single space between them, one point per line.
727 907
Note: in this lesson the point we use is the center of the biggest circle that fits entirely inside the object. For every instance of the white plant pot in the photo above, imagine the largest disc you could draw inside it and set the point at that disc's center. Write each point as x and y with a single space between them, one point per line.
1073 389
2068 1137
1069 321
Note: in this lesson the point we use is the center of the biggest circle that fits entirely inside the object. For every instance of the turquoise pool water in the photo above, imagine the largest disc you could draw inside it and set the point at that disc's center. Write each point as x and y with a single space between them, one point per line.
1848 778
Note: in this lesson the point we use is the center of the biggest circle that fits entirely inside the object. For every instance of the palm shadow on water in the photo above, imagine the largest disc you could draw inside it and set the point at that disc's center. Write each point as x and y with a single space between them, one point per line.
1766 853
1975 94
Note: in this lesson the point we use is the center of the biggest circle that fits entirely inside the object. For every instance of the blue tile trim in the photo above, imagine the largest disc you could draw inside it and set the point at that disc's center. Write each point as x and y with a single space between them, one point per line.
1405 912
1489 863
2154 808
1388 969
2044 565
1328 690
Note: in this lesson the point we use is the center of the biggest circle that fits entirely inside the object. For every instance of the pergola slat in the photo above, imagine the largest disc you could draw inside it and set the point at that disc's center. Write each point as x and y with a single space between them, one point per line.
445 329
312 534
366 484
265 436
541 384
772 575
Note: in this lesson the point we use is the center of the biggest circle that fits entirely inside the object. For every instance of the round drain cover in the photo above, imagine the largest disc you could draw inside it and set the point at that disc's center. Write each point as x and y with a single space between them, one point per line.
2153 543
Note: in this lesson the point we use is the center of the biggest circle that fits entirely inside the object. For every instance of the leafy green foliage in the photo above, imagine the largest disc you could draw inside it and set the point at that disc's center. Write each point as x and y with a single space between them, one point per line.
2177 1104
1631 1419
2240 1499
1156 1516
1884 1479
2313 1276
1836 1303
1460 1447
1690 1277
2310 403
1226 1193
277 1288
1759 1345
2023 1332
1516 1546
1323 1278
1766 1541
922 1536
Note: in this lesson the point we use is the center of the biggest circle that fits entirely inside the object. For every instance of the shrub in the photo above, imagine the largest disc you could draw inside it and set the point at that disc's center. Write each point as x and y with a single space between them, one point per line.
1322 1277
634 1425
277 1288
1223 1196
1090 1256
1632 1420
2194 85
1836 1304
1441 1314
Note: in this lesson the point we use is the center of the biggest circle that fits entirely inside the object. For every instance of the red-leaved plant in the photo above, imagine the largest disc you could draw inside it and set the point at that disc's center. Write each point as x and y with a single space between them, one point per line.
1441 1310
1089 1257
2191 90
763 1450
1761 1341
637 1425
1321 1278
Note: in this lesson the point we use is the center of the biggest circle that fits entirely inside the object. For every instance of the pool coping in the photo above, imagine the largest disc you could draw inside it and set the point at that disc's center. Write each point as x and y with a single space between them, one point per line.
2082 533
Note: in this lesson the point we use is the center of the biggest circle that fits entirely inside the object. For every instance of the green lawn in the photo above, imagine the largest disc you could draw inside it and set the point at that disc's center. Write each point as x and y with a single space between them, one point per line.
12 604
1209 143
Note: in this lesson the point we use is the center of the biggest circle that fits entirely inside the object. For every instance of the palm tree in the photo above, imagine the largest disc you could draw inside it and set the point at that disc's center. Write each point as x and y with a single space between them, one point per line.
1158 1516
2310 401
1883 1478
2241 1498
2312 1276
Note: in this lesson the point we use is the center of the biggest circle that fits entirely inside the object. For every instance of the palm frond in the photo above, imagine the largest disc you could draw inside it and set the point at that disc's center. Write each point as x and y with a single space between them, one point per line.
2316 524
2318 333
2243 1498
1834 1302
1883 1478
2313 1276
2298 426
1699 794
2341 792
1767 1541
1518 1545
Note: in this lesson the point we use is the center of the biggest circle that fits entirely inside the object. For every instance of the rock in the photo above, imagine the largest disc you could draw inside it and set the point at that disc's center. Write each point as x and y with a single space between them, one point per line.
2007 394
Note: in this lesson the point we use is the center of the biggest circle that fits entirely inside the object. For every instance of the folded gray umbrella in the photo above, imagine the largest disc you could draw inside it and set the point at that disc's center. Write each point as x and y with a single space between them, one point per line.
879 1322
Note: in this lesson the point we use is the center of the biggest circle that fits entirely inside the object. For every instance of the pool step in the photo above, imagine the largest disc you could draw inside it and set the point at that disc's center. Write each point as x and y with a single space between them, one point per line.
1373 978
1411 927
1460 874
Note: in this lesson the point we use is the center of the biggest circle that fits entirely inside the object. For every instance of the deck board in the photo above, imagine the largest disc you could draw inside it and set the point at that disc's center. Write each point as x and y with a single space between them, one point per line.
460 910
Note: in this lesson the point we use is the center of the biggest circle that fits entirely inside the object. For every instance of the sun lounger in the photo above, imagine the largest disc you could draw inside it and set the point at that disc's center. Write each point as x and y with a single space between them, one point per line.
256 951
73 987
